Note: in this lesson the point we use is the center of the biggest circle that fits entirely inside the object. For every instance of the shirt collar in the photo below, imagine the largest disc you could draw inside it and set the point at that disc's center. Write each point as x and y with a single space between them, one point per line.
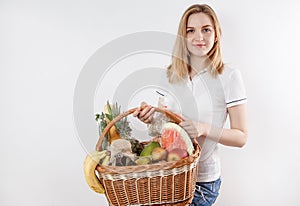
202 71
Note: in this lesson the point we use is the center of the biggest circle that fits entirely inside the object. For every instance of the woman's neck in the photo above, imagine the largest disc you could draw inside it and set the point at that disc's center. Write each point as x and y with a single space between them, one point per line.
197 64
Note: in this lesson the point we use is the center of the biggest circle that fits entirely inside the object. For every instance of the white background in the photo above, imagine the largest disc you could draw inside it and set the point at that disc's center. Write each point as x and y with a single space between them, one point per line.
45 44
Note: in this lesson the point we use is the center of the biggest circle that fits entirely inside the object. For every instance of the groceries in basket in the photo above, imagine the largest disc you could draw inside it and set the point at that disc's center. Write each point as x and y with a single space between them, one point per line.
161 171
171 144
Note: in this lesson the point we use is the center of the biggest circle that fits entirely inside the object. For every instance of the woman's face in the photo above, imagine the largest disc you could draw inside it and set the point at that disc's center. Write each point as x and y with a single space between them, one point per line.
200 34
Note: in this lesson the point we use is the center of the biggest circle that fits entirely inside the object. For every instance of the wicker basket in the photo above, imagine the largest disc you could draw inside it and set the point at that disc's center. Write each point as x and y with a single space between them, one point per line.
169 183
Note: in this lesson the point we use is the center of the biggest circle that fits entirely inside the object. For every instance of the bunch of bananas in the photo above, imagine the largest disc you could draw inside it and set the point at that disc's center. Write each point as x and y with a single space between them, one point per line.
90 163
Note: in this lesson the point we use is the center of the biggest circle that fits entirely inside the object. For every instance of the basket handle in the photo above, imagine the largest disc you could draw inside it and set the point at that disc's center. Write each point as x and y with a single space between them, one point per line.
174 117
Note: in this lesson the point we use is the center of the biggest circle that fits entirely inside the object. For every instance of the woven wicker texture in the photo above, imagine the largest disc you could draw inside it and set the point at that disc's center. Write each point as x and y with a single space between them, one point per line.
168 183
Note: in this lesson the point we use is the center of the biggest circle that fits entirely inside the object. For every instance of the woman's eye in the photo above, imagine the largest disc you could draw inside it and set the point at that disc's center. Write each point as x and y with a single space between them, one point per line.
206 30
190 31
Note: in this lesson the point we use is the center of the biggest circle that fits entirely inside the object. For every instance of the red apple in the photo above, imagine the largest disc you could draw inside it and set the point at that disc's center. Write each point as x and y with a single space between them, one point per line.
177 154
159 153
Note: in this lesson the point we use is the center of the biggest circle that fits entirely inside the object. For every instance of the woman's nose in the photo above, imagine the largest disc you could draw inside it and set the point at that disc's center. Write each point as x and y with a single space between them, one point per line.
198 35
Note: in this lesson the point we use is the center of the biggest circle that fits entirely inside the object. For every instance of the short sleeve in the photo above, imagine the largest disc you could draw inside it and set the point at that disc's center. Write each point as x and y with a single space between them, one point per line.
235 93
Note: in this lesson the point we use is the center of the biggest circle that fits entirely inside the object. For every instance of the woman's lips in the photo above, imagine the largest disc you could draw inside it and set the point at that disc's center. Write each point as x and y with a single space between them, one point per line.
199 45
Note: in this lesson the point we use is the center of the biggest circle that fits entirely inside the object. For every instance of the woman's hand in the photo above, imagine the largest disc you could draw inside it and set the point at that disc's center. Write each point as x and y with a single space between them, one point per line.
193 128
145 113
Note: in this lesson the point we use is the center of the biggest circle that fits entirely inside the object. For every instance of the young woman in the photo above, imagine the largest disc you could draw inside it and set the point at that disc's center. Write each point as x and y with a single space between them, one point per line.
196 62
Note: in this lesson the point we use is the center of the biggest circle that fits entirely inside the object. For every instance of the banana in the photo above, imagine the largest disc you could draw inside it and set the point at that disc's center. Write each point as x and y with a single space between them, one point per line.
98 156
105 161
90 163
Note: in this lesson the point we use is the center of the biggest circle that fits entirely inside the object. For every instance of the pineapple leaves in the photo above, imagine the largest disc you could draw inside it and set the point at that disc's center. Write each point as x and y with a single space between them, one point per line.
114 110
109 108
97 117
109 117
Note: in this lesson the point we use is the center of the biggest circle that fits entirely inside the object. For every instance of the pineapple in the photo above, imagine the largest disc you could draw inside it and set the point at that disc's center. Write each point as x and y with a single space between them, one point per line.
100 118
121 129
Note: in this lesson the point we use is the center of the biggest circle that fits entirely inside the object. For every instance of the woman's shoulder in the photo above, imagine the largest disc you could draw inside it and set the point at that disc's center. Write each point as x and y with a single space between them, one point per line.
229 76
229 73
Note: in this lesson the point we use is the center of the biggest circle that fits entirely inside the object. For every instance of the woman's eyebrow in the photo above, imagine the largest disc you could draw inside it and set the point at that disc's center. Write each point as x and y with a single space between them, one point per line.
191 27
208 25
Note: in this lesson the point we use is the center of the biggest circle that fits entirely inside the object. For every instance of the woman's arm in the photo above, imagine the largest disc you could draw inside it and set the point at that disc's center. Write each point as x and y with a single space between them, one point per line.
236 136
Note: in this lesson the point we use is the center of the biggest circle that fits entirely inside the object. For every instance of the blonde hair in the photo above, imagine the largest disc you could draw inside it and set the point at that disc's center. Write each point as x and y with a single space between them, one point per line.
179 68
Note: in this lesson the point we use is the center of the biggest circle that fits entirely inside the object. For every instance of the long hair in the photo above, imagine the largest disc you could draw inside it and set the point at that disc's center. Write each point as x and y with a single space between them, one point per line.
178 70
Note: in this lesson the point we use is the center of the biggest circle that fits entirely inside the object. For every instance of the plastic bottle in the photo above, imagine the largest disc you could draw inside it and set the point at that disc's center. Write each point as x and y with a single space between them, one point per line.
154 129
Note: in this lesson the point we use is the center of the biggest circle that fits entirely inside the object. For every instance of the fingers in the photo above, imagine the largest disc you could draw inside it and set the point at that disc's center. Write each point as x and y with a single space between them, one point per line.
148 117
144 112
136 112
185 122
143 104
189 126
183 117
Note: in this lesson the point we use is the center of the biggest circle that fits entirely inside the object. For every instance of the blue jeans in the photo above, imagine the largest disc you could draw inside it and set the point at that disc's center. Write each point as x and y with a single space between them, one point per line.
206 193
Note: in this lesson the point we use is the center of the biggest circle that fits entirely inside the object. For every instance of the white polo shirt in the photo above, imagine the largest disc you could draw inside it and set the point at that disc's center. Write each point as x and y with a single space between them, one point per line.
212 97
204 99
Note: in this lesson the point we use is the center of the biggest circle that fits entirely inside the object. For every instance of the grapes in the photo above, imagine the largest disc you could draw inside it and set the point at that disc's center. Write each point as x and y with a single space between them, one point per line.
136 146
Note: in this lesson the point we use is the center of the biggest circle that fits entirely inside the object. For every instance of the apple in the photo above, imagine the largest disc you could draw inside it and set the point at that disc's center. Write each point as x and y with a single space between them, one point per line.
177 154
159 153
